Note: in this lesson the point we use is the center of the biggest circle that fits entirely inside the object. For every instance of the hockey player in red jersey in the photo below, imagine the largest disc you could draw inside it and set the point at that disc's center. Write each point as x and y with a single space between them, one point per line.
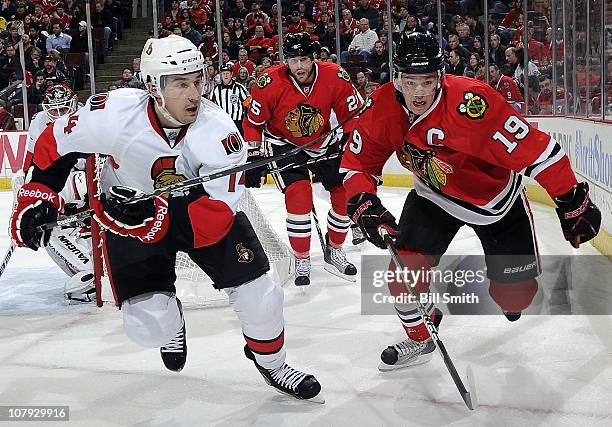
469 152
157 137
291 105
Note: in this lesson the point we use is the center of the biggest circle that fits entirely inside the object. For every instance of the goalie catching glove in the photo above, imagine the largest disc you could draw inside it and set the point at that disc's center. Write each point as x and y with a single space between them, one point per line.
37 205
147 220
367 211
580 218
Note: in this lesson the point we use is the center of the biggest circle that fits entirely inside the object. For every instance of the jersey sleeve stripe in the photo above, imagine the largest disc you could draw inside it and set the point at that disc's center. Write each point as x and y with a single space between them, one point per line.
45 152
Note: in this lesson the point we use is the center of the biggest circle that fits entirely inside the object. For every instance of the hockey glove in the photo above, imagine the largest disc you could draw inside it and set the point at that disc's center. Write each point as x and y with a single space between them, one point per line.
580 218
36 205
253 177
367 211
147 220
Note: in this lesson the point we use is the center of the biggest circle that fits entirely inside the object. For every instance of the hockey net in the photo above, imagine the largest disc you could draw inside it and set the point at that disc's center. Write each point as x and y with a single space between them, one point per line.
193 286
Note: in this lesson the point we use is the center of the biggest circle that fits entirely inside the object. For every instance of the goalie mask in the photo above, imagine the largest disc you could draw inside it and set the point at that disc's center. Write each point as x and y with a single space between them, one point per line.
164 57
59 101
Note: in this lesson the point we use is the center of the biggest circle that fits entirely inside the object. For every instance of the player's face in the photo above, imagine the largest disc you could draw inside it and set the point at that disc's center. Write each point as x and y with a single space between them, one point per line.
182 95
301 68
419 90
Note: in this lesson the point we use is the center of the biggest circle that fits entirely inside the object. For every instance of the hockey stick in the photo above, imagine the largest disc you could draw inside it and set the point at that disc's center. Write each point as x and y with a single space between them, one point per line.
7 257
316 221
193 182
431 328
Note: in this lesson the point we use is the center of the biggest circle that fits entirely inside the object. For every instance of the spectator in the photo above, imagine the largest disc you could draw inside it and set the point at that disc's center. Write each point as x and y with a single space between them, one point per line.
545 101
266 62
362 81
176 30
230 46
411 25
349 27
13 37
13 65
102 18
456 64
112 86
328 39
255 9
258 44
532 69
38 40
45 24
297 24
20 12
476 28
511 62
238 34
189 33
378 63
321 27
174 13
243 76
137 74
497 52
402 19
7 9
33 62
365 11
36 91
128 80
239 12
324 55
51 73
506 86
27 46
209 45
453 44
79 40
478 46
7 121
244 61
536 49
198 14
362 43
258 20
370 88
464 37
472 65
58 40
59 16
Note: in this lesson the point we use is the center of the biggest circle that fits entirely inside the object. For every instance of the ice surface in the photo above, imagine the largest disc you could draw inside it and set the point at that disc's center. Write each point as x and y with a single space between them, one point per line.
540 370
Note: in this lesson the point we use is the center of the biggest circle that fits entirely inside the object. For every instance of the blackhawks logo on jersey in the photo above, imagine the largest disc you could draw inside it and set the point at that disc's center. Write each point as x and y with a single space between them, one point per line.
425 165
263 80
474 106
244 254
163 172
344 75
305 120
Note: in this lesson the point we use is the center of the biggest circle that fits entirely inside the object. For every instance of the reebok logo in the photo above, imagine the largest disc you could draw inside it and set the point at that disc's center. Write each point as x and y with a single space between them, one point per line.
160 217
37 194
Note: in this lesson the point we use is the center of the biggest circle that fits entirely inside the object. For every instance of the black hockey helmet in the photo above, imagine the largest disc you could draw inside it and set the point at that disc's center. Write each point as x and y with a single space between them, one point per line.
228 66
418 53
300 44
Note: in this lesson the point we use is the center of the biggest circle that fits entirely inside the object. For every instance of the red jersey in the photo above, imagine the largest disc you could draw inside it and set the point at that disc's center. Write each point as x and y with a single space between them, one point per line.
287 113
509 90
249 65
470 152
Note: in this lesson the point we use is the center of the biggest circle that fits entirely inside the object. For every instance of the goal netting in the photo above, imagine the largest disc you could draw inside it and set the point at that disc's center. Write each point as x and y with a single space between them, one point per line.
193 286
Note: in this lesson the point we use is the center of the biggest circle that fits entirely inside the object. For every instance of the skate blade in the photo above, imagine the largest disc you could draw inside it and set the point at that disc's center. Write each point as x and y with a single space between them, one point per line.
316 399
472 387
383 367
331 269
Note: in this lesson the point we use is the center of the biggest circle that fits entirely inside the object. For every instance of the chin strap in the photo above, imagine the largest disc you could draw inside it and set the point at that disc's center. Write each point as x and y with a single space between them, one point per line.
164 111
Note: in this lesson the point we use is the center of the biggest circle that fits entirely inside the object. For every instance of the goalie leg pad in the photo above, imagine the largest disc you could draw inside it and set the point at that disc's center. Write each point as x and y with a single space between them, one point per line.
259 307
70 251
152 319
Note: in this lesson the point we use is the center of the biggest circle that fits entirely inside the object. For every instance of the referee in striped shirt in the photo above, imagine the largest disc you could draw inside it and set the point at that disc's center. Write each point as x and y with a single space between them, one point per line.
231 96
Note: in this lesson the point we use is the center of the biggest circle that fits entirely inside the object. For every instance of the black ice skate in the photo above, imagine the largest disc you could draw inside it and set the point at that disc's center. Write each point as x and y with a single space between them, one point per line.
337 264
512 316
289 381
409 352
358 236
302 271
174 354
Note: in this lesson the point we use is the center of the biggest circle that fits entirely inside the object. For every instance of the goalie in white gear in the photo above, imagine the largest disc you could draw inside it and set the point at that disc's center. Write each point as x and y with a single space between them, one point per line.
70 247
157 137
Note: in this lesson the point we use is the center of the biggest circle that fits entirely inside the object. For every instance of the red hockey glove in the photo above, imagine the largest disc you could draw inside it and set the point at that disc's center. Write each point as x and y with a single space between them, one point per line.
37 204
147 220
580 218
367 211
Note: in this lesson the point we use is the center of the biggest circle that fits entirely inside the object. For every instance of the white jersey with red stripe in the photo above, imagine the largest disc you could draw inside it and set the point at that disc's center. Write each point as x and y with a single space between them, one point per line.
37 126
122 124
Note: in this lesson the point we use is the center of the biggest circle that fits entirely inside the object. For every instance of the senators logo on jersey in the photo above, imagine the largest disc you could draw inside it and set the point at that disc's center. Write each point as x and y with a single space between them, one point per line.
474 106
305 120
263 80
232 143
163 172
425 165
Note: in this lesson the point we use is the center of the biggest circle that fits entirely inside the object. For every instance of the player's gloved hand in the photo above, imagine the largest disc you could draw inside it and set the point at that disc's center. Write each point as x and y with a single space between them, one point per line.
36 205
580 218
147 220
253 177
367 211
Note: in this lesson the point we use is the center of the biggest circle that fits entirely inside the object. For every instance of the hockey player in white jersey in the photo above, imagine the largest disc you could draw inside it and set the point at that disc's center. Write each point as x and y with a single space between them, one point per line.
156 138
69 247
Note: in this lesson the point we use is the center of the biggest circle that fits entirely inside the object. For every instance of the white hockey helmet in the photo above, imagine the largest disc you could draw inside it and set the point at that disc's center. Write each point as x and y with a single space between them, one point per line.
167 56
60 100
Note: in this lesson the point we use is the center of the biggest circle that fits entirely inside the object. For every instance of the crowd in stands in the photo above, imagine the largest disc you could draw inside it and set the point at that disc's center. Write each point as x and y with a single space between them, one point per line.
55 44
250 40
